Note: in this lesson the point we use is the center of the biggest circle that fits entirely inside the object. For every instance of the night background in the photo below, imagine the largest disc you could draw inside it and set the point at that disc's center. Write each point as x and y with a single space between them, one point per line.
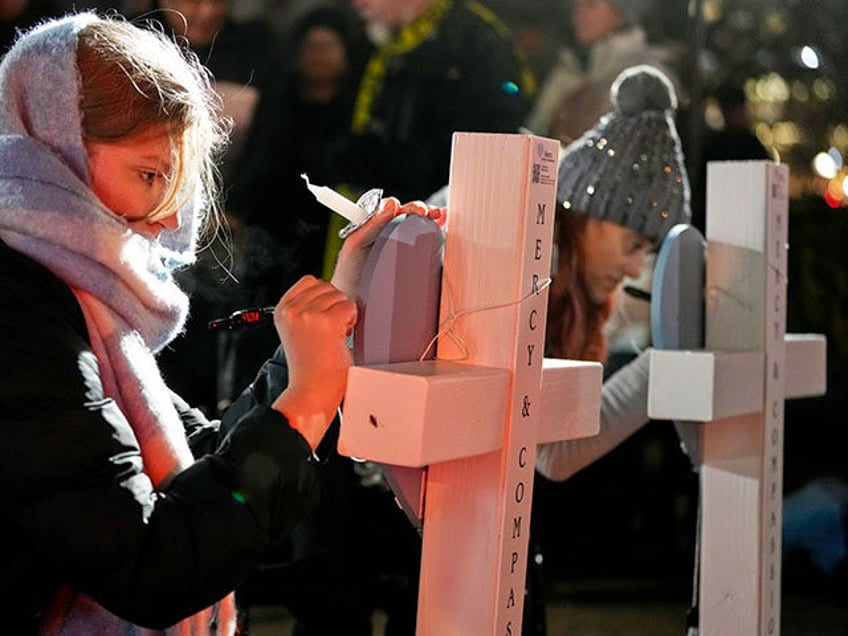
624 528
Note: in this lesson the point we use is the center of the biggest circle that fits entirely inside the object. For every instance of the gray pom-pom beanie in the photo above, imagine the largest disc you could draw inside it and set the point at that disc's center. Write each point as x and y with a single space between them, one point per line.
629 168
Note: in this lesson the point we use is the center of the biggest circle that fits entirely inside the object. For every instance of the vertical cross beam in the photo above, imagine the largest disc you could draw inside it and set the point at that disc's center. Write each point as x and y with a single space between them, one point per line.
501 196
475 415
739 385
742 472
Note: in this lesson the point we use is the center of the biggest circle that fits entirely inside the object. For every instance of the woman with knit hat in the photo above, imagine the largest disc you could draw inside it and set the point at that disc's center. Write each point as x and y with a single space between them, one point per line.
608 37
622 186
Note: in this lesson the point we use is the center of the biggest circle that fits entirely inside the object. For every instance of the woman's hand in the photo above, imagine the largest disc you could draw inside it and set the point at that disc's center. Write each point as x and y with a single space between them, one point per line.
313 319
355 249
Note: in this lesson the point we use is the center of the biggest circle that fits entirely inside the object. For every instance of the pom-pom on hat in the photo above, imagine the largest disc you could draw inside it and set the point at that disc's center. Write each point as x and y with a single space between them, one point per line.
629 168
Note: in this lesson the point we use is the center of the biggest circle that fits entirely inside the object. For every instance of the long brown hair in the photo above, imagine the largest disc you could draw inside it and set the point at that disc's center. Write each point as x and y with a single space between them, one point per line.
575 323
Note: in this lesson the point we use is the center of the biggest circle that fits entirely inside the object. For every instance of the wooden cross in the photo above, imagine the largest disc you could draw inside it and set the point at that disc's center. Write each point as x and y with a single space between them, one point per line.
738 384
474 415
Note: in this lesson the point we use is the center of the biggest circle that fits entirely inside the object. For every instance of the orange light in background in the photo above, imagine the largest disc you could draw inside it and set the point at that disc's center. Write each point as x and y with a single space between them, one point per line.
833 194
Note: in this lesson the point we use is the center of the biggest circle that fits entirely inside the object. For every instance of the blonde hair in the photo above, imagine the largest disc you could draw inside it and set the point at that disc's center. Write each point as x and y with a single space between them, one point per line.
133 78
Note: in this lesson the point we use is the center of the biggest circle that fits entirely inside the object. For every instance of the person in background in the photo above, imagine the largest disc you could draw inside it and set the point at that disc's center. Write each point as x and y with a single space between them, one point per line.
298 125
244 58
436 67
621 187
126 509
610 38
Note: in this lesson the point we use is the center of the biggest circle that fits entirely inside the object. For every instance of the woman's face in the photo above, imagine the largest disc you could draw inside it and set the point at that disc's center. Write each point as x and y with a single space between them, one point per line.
323 57
610 252
204 19
594 19
130 177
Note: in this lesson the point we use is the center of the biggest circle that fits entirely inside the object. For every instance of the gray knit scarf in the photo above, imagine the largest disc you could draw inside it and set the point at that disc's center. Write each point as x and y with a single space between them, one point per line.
121 279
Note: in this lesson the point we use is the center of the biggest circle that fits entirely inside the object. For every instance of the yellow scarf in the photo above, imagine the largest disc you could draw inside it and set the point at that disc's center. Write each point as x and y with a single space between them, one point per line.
371 85
407 39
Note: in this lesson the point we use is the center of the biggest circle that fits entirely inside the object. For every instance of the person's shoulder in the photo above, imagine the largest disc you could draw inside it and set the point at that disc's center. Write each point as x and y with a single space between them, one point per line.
43 338
18 269
475 32
33 296
474 16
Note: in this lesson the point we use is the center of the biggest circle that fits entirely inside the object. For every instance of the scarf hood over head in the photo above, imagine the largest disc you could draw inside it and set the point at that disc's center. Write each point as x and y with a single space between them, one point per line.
122 279
40 95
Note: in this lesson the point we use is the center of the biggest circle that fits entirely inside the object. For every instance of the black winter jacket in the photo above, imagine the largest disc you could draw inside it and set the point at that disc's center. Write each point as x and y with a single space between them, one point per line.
465 75
76 508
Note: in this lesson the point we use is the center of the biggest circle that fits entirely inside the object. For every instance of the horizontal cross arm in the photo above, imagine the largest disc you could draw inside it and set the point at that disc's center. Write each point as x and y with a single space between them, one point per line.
571 400
702 386
420 413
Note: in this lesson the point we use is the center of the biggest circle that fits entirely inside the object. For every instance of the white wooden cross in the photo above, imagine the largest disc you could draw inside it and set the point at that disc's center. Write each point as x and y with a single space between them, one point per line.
475 414
738 384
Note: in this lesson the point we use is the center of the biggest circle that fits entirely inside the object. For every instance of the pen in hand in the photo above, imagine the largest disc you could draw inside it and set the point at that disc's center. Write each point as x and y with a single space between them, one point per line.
357 213
252 317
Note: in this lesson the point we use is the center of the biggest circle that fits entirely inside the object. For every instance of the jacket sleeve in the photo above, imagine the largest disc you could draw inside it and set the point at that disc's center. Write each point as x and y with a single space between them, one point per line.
72 481
272 378
624 410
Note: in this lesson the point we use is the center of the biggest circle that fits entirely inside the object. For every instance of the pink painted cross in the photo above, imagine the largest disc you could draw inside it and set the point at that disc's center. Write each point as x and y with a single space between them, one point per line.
474 416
